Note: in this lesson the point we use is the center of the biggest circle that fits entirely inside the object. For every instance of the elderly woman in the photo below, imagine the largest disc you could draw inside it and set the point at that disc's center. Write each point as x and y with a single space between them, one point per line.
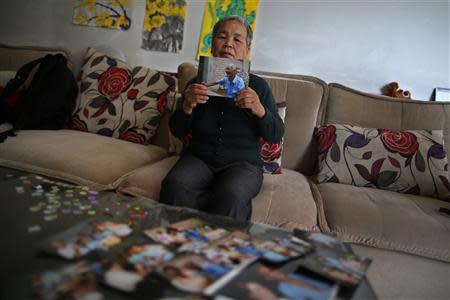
221 170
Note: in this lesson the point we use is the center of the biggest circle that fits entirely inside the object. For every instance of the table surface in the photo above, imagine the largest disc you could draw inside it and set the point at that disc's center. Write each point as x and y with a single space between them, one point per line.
34 207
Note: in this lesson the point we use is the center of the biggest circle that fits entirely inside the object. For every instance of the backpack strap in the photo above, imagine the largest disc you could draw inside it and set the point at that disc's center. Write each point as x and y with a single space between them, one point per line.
23 77
29 79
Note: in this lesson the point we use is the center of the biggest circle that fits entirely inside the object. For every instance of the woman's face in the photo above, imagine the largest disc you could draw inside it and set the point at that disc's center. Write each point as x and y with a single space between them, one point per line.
230 41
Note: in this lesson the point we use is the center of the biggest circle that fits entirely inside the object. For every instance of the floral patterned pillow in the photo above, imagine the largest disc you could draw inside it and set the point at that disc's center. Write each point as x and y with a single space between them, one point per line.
120 101
410 161
271 152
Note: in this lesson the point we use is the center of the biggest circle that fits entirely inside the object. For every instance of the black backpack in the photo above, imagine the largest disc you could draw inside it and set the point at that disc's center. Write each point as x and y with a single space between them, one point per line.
48 95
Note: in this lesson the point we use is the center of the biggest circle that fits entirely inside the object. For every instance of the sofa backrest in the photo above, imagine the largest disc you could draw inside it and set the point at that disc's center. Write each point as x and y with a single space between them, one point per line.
305 99
349 106
13 57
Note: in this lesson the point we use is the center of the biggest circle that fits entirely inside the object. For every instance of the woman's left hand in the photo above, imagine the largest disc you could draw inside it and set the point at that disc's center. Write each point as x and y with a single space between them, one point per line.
247 98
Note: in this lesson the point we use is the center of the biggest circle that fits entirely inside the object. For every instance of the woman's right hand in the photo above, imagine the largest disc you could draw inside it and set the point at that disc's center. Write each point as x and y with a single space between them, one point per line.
194 94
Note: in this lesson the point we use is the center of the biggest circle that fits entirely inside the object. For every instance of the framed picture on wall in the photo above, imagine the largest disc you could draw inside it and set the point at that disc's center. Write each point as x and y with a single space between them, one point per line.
442 94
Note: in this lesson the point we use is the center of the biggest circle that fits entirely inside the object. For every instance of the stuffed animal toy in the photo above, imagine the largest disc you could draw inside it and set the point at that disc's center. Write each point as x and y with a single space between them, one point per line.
392 90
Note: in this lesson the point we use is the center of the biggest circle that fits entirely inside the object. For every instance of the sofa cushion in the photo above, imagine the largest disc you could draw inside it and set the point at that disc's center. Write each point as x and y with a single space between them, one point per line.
5 76
386 219
397 275
412 161
286 201
119 100
146 181
78 157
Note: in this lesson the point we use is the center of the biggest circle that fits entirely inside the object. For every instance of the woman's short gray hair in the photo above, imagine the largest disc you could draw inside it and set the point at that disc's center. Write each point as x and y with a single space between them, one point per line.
239 19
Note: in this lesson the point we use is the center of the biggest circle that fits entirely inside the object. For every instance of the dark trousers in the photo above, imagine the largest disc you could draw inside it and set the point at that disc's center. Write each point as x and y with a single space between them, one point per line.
224 191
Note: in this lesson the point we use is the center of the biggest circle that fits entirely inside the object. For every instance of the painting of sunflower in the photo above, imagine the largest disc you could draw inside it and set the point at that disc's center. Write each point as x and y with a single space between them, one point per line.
103 13
164 25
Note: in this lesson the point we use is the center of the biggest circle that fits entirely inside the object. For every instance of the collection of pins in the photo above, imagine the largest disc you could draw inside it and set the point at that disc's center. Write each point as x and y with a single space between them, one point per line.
134 214
55 199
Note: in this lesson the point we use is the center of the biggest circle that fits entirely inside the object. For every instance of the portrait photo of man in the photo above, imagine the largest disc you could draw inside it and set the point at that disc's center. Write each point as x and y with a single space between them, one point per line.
232 83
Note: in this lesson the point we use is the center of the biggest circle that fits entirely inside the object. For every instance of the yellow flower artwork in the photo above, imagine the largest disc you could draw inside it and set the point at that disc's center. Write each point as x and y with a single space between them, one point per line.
103 13
164 25
216 10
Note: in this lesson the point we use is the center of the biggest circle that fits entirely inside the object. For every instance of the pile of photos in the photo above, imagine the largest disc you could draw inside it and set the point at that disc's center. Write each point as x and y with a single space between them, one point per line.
193 256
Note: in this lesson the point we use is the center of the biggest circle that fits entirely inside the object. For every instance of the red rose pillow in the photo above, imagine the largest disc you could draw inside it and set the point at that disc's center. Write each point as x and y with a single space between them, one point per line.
271 152
410 161
119 100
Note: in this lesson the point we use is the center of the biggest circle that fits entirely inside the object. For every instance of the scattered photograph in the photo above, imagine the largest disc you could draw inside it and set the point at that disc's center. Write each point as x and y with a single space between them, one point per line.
276 251
233 250
86 237
224 77
146 257
184 232
126 270
192 273
347 269
321 239
262 282
296 244
74 281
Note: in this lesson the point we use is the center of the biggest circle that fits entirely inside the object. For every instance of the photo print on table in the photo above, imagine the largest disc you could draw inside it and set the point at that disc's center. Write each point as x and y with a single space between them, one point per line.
185 232
233 250
332 258
238 248
125 268
347 269
85 237
280 250
196 274
263 282
73 281
224 77
321 239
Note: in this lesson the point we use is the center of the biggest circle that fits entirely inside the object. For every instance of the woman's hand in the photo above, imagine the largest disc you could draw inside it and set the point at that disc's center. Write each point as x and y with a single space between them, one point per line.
247 98
194 94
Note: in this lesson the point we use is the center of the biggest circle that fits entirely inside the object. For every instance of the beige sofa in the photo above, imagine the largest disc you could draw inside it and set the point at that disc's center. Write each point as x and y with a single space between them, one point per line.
405 235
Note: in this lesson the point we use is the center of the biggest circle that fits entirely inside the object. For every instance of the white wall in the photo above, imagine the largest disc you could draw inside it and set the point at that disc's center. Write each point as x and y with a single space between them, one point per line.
362 44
